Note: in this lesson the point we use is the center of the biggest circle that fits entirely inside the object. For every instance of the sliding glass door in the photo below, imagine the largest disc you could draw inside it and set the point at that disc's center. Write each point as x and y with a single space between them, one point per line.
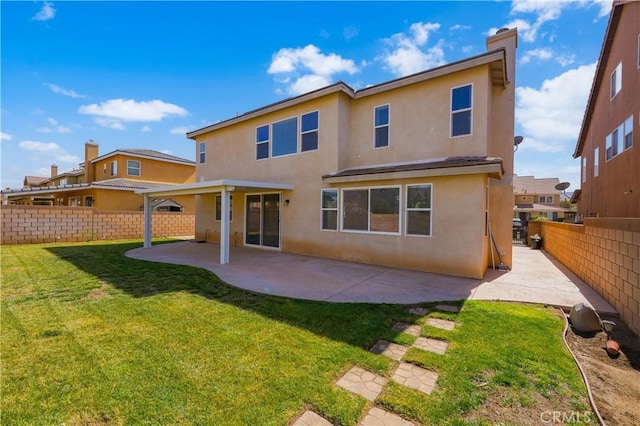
263 220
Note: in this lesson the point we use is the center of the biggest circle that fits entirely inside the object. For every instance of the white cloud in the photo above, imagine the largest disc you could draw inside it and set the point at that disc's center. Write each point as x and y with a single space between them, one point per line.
408 53
307 68
113 112
45 13
5 136
54 127
181 130
48 151
459 27
543 54
604 5
57 89
145 129
551 116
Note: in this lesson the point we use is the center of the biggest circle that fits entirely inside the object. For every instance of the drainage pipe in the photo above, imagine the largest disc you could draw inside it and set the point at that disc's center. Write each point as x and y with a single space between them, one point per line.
582 372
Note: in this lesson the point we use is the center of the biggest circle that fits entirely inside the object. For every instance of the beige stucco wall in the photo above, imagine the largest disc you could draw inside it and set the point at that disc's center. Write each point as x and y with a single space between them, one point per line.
419 130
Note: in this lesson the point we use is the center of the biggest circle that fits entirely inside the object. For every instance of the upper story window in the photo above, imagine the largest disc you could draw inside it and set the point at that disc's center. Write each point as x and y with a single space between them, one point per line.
202 150
616 80
309 131
114 168
461 100
104 169
620 139
381 126
133 168
584 169
639 51
63 182
596 161
262 142
285 137
545 199
628 132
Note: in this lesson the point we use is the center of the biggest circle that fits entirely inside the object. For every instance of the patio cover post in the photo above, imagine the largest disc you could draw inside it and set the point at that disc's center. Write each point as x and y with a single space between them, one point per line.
224 225
147 222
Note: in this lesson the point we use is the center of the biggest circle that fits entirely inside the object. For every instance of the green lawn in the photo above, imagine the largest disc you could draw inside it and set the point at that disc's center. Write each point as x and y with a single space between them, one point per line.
92 337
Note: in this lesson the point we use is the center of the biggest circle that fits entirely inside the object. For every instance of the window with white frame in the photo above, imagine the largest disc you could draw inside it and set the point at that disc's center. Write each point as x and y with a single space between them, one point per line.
309 131
596 161
219 208
202 151
284 137
63 182
74 202
628 133
381 126
418 210
461 101
584 169
371 210
262 142
616 80
329 209
88 201
114 168
620 139
133 168
104 169
544 199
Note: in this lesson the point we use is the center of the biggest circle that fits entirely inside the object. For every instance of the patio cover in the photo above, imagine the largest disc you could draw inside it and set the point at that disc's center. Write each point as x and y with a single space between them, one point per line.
537 208
222 186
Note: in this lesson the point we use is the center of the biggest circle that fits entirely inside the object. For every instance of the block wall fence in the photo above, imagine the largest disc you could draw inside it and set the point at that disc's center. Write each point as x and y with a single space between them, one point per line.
45 224
605 254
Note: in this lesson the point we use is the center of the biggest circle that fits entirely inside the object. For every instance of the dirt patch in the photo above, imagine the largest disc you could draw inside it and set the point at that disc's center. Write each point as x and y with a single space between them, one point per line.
614 381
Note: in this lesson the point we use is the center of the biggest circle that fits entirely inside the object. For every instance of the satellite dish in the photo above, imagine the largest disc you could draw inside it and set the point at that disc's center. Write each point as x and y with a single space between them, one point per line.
562 186
517 140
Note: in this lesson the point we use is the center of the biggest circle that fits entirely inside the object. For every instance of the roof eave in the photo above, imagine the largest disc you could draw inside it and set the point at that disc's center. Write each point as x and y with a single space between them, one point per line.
612 25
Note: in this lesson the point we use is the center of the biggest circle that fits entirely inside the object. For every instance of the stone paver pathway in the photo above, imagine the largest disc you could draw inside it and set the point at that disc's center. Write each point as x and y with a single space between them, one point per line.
412 329
309 418
363 383
379 417
441 323
431 345
448 308
415 377
391 350
418 311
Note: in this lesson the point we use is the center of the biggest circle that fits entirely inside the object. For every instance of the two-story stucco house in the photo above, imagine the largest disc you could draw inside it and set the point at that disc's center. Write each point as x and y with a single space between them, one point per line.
413 173
537 197
109 181
609 137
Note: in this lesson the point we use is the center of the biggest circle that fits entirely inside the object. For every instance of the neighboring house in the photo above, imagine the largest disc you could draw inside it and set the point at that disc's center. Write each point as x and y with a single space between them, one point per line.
412 173
608 141
537 198
108 182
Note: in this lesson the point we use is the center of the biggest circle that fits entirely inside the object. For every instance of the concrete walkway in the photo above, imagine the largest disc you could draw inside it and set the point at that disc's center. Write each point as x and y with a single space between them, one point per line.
535 278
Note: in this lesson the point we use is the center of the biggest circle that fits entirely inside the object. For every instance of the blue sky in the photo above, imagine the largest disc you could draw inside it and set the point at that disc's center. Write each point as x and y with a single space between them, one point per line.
141 74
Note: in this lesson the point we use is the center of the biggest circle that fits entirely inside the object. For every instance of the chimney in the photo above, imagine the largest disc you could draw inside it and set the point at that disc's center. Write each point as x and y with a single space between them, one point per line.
507 39
90 152
54 170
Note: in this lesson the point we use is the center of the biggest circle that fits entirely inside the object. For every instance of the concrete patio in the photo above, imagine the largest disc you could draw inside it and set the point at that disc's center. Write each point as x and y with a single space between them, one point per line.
536 277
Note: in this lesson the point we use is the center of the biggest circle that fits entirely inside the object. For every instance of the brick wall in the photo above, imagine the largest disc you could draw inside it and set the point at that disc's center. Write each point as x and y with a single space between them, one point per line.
604 253
44 224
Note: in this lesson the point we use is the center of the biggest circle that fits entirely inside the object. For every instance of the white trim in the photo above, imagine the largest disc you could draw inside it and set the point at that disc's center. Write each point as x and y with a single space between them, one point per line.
309 131
261 246
407 210
337 209
211 186
388 126
268 142
139 168
297 137
451 112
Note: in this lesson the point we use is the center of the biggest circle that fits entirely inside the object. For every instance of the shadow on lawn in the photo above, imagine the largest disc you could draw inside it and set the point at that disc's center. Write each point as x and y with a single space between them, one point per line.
357 324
